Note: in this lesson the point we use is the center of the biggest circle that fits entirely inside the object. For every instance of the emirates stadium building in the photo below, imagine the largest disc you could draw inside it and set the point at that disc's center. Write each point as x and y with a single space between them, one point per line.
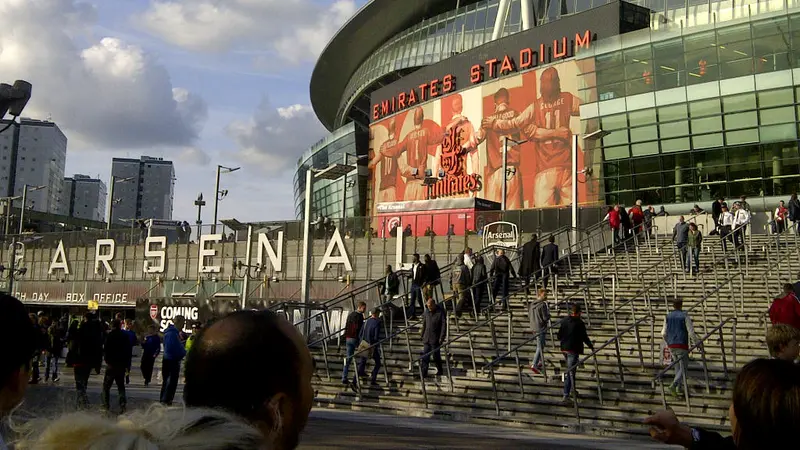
447 104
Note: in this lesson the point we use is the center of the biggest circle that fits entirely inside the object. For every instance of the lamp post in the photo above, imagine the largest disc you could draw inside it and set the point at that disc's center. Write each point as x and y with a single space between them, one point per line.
199 203
220 170
25 190
7 203
111 185
593 136
505 167
344 181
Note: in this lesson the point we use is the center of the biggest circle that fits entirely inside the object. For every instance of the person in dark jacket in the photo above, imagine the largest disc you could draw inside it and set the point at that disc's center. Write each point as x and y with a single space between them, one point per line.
151 347
418 278
352 331
117 351
41 345
174 352
763 413
530 265
433 276
479 283
625 220
55 345
86 353
549 261
794 212
649 214
501 268
539 318
127 329
460 283
572 334
390 286
434 333
371 332
716 211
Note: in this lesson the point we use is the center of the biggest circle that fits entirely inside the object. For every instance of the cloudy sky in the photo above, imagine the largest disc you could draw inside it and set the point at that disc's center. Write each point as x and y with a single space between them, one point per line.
201 82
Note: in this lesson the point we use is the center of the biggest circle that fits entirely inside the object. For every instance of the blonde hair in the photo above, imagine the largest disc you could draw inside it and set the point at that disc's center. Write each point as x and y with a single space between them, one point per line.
779 336
157 428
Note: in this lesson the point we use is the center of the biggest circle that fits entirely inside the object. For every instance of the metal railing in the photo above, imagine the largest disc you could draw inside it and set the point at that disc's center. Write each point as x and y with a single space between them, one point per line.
659 378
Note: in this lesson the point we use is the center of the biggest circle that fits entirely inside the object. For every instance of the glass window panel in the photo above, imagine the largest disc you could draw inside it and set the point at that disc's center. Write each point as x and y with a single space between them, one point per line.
646 165
779 132
705 107
623 183
643 149
614 122
616 138
647 133
777 97
741 136
707 141
669 66
611 153
675 145
733 34
770 27
741 120
706 124
772 53
776 115
643 117
672 112
739 102
674 129
701 58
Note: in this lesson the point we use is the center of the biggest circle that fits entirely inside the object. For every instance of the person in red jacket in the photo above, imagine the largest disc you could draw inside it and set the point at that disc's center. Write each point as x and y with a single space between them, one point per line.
614 221
786 309
637 217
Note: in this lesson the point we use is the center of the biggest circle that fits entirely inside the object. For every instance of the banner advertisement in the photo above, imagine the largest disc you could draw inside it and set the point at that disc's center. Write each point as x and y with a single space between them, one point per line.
453 147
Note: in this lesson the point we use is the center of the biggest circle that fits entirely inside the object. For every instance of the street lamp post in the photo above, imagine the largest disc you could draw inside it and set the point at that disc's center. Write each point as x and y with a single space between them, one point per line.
7 204
112 184
505 168
344 182
199 203
25 190
217 198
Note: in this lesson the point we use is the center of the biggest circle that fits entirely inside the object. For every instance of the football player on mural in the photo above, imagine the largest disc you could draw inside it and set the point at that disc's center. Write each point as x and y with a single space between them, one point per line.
494 153
416 145
461 125
546 123
387 192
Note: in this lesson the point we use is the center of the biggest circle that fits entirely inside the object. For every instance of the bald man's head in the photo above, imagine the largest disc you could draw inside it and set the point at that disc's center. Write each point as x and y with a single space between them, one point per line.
255 364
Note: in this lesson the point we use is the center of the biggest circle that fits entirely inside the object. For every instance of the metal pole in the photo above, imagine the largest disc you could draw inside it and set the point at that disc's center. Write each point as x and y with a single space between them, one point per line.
9 204
307 242
13 265
216 202
344 190
574 188
245 282
505 169
111 184
22 210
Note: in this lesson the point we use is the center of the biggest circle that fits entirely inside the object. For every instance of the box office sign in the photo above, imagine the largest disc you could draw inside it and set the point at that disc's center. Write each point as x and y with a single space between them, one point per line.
103 294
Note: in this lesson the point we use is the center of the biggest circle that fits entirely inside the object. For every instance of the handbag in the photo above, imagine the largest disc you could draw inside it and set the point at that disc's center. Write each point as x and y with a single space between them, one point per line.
364 347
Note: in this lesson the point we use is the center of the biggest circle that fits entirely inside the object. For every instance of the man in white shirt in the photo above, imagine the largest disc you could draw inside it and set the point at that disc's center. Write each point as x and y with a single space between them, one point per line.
726 223
468 258
18 338
741 218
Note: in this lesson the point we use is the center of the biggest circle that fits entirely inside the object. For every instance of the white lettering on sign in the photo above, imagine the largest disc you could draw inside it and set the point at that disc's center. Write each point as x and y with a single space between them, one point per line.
76 297
105 258
328 258
116 298
59 260
275 259
160 256
168 313
209 253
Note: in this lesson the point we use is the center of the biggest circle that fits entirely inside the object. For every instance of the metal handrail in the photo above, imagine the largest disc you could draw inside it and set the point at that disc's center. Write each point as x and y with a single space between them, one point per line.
699 344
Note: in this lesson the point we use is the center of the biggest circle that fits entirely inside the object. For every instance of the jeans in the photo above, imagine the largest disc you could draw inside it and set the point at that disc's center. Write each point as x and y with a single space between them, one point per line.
51 357
569 381
692 260
681 355
501 287
681 246
81 383
351 345
376 358
538 357
170 371
147 368
37 359
415 296
114 376
426 359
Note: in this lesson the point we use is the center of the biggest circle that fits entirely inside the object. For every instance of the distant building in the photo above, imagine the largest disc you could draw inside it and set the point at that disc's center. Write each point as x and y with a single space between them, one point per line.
33 152
149 195
84 198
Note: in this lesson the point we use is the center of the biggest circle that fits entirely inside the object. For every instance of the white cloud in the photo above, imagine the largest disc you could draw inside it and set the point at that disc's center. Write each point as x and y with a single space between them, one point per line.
104 93
296 29
194 156
275 137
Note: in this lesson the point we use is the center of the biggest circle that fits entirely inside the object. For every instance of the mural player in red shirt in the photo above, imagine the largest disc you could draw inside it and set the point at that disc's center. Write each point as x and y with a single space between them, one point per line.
387 192
493 182
416 147
546 123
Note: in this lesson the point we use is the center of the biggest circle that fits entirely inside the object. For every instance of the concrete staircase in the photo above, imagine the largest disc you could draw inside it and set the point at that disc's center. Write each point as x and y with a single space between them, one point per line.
620 290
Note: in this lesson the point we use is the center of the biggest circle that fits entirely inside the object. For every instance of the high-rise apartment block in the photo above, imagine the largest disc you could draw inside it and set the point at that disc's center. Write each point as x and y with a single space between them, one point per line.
33 152
84 198
149 192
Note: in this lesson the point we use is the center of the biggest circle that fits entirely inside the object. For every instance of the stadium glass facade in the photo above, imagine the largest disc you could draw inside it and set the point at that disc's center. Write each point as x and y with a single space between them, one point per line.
703 103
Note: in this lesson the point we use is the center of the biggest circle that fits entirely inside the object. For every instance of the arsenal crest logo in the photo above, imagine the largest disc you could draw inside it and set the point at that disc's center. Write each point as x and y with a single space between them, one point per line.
153 311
